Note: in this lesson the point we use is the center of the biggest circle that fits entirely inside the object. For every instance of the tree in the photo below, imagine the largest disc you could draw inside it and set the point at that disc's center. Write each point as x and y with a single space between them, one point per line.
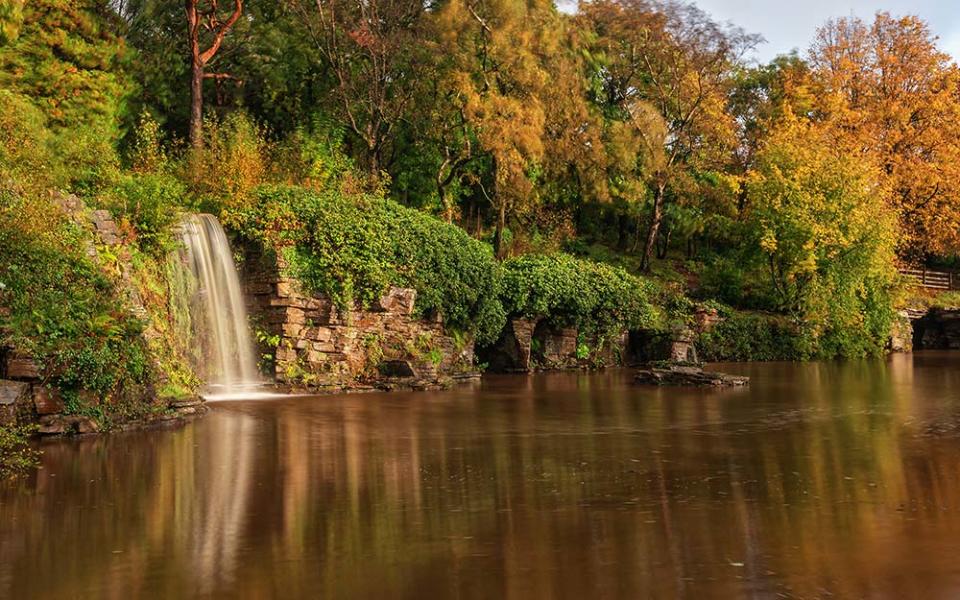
375 52
11 18
820 221
205 17
496 80
68 61
665 62
888 89
760 98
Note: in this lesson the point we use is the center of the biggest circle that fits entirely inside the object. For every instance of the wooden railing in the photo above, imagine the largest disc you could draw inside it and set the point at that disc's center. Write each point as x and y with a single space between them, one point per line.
934 280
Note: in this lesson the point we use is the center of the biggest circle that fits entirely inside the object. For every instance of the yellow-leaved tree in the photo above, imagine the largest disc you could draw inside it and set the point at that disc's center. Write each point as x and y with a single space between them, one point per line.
826 235
496 79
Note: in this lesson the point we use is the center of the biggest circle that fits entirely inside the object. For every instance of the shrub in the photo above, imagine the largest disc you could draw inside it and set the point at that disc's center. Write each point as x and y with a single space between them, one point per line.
745 336
151 203
60 308
574 292
16 454
231 162
353 248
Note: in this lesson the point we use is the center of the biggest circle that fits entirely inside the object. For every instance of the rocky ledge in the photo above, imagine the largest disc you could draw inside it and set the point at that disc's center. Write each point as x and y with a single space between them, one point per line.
689 376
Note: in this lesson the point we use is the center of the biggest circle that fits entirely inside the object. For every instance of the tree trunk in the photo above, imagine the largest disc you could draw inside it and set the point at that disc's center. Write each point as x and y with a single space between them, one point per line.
374 162
655 219
498 234
663 245
196 104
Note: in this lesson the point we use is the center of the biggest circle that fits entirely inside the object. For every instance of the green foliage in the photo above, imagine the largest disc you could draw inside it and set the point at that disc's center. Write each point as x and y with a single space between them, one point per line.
231 163
354 248
27 158
68 60
11 19
313 155
744 336
151 203
60 308
827 239
574 292
949 299
17 456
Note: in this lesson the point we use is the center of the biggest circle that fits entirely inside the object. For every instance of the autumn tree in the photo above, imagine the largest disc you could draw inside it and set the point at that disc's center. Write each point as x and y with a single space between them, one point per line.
664 72
761 97
496 81
11 17
207 26
887 89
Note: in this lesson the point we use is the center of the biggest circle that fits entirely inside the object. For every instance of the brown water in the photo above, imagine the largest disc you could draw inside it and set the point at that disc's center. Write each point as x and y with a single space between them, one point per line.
820 480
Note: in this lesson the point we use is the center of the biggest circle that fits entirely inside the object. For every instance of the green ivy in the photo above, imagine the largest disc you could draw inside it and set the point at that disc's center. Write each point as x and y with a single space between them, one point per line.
570 291
354 247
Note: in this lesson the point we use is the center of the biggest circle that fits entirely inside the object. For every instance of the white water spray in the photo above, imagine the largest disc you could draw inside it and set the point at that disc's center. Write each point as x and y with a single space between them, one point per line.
227 352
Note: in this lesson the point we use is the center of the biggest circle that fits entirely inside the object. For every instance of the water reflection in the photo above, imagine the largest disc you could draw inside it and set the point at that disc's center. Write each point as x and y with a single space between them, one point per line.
819 479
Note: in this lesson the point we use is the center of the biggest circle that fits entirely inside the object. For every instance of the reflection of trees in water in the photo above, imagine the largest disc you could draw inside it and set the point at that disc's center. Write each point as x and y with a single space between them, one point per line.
817 479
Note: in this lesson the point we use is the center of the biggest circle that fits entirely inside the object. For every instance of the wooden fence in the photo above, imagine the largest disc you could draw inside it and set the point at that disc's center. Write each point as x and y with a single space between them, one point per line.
934 280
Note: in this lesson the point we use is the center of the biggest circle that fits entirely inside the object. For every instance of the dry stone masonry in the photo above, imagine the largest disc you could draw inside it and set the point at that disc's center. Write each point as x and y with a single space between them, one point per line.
312 343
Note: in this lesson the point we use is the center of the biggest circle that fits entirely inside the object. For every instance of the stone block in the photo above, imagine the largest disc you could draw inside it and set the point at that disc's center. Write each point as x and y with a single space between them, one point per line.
324 347
47 401
21 367
321 334
706 319
286 288
285 354
53 425
292 329
13 392
100 216
295 316
399 301
255 288
60 424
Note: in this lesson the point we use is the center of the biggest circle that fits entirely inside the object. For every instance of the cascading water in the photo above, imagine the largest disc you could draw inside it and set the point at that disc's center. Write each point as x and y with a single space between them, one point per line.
226 352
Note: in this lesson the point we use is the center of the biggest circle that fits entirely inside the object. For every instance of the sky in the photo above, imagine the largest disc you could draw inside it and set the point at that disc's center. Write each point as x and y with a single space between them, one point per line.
793 23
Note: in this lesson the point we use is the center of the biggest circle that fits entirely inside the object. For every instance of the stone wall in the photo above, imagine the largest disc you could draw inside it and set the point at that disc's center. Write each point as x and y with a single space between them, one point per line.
534 344
25 399
901 333
311 343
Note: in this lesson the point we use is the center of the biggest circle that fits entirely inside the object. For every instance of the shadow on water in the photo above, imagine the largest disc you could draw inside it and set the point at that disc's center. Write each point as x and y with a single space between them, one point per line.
819 479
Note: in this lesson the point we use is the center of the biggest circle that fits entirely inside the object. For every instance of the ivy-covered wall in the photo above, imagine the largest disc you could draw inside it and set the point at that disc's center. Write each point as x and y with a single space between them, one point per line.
309 341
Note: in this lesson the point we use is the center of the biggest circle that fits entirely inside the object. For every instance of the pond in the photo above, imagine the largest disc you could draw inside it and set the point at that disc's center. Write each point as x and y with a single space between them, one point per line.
817 480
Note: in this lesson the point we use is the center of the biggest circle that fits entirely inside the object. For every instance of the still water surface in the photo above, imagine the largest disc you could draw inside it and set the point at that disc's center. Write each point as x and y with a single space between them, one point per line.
820 480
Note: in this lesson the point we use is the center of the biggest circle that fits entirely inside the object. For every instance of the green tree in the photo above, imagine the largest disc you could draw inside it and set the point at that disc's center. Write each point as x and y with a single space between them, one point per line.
69 62
826 235
663 73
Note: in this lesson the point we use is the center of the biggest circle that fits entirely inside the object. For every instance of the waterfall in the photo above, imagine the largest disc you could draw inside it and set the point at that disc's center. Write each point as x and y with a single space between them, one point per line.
226 352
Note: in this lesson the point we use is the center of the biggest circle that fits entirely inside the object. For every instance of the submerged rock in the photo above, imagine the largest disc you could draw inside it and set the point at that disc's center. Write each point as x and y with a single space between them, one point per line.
689 376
